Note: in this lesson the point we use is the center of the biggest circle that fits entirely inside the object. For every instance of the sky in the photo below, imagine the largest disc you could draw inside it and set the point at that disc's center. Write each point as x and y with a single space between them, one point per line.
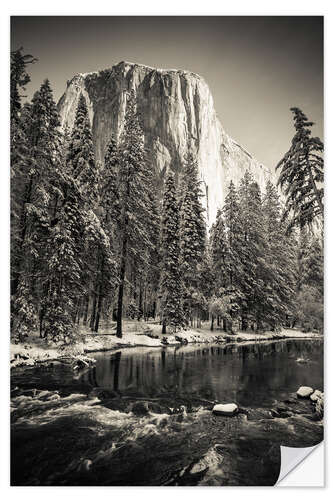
256 67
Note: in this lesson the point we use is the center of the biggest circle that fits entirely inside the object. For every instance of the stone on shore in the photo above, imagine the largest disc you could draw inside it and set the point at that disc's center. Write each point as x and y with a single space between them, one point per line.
304 391
229 409
319 405
316 395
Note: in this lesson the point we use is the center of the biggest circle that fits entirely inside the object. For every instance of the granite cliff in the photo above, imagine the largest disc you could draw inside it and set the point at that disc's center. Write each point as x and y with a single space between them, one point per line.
177 109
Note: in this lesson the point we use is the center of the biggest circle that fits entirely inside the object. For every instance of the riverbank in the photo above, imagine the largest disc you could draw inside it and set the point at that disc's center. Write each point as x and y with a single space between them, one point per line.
35 350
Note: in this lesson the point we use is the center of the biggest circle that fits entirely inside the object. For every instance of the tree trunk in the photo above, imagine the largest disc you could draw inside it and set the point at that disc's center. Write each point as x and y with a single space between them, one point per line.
77 313
134 285
85 313
164 327
93 313
145 308
212 324
41 319
99 309
140 301
121 288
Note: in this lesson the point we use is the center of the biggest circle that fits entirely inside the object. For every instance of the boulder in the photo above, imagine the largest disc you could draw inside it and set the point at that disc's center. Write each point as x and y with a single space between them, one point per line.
140 409
304 391
319 406
285 414
229 409
316 395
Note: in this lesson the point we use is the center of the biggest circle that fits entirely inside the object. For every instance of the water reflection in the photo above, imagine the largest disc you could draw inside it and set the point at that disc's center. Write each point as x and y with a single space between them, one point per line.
249 374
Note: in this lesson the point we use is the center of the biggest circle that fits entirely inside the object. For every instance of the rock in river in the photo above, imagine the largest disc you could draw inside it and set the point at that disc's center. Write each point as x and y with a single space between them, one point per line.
304 391
229 409
140 409
316 395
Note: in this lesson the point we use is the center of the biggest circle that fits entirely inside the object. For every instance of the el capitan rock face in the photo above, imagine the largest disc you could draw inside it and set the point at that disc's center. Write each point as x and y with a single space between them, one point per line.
176 109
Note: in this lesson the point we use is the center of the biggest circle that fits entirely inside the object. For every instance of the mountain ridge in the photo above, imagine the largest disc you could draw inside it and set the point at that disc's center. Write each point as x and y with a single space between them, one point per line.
177 111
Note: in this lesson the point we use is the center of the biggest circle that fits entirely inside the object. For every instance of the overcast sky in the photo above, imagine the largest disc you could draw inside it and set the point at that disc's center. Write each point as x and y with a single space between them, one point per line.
256 67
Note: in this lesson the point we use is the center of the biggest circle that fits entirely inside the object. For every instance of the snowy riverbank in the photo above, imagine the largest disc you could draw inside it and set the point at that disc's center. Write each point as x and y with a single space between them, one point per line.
36 350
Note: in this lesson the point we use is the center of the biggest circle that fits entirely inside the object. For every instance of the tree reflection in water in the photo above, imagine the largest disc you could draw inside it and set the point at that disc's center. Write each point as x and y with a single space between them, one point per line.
249 374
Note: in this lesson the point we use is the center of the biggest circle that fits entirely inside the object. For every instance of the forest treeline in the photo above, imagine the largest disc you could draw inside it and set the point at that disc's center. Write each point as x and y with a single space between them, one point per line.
96 241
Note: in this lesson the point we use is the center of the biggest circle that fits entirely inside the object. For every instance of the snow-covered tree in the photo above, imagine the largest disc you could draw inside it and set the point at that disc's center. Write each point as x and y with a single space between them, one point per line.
192 234
81 156
171 287
137 219
41 184
302 175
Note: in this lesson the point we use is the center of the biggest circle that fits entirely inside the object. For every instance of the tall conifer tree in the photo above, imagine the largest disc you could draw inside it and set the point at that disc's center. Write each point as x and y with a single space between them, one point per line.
279 262
44 139
302 174
137 221
192 234
171 277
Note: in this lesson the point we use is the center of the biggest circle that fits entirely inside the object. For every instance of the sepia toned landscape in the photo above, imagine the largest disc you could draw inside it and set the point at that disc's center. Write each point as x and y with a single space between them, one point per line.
166 285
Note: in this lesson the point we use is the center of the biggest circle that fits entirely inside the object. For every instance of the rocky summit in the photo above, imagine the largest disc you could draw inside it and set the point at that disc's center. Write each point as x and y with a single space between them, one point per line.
177 113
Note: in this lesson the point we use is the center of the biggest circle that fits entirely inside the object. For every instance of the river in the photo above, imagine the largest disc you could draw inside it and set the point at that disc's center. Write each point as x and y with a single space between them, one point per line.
80 429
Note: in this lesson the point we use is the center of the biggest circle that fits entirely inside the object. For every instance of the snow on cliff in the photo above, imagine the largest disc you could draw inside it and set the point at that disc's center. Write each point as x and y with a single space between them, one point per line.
175 106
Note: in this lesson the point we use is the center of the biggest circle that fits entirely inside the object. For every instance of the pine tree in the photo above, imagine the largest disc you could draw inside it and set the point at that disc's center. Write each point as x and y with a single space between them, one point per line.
231 213
150 267
253 254
19 78
110 189
81 156
302 174
218 251
137 221
19 155
44 141
313 265
279 262
251 250
192 234
77 236
102 235
233 264
171 287
308 302
99 238
64 252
